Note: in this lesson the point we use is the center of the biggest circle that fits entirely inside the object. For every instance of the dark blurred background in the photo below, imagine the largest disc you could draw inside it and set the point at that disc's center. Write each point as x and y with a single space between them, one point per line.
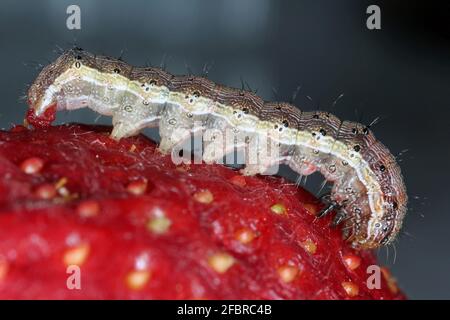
400 73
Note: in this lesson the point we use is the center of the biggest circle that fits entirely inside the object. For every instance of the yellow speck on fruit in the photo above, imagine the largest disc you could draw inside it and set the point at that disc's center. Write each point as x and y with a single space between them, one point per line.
238 180
159 225
137 279
245 235
278 208
88 208
77 255
137 187
46 191
221 262
309 246
204 196
351 261
32 165
350 288
287 273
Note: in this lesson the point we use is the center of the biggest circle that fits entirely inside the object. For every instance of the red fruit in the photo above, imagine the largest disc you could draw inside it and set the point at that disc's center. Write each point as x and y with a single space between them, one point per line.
42 121
135 226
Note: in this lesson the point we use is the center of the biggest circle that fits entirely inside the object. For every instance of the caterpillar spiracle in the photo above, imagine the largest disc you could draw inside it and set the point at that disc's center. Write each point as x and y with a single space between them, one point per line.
368 190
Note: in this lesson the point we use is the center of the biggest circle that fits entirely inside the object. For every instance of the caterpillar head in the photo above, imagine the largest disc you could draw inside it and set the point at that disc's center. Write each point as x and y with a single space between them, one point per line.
44 91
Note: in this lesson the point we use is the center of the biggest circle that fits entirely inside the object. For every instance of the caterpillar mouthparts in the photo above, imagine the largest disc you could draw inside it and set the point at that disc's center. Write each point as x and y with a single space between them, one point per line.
368 191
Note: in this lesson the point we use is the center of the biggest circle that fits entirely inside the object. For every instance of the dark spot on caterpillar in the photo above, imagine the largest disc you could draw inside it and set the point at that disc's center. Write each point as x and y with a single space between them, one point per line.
196 94
152 82
316 116
354 130
245 110
191 79
382 168
116 70
241 93
77 64
323 132
395 205
366 131
278 107
357 148
78 57
286 123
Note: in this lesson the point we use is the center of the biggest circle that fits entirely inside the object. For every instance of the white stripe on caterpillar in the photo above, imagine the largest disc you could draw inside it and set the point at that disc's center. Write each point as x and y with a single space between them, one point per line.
368 186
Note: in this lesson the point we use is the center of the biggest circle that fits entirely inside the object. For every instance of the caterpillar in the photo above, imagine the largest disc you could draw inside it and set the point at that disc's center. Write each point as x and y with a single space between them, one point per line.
368 191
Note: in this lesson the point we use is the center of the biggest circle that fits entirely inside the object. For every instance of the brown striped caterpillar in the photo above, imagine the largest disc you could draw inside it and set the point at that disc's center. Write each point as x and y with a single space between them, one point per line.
368 189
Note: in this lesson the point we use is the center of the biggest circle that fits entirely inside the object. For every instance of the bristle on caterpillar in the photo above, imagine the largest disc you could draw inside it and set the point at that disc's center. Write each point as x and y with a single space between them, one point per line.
368 187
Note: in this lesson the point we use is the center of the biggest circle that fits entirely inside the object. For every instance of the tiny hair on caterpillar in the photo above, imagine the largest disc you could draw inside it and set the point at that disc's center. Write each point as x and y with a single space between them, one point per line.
368 191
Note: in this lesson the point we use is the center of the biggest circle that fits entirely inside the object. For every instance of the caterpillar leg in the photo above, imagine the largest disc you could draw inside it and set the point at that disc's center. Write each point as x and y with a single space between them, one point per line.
213 152
172 139
216 146
332 205
338 218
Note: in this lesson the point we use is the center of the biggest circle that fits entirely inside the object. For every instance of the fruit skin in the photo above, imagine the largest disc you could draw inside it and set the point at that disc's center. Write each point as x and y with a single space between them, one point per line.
165 241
